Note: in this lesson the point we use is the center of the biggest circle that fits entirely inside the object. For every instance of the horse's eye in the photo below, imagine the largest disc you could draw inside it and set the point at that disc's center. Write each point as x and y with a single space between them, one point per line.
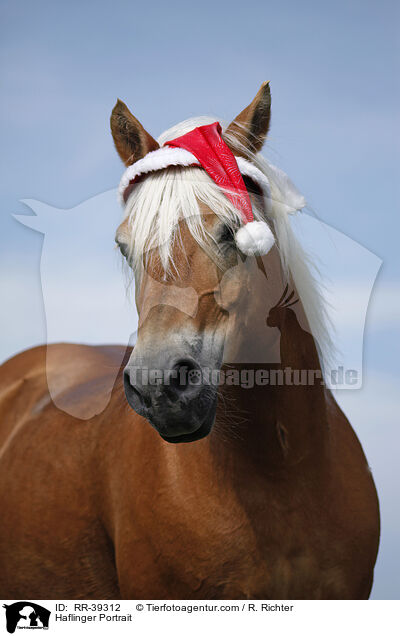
123 248
227 234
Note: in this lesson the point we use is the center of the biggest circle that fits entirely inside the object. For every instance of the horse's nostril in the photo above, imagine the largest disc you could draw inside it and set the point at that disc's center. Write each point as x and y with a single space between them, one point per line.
133 394
186 363
127 379
185 376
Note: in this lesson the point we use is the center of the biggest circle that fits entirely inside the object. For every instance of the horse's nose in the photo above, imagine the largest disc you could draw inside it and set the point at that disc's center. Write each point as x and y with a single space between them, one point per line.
152 390
178 400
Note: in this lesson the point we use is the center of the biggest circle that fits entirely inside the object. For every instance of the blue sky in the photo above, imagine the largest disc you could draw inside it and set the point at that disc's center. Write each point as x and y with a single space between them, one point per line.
333 69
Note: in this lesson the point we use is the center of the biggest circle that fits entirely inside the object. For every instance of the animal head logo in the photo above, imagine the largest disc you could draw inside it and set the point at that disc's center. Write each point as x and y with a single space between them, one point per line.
26 615
277 312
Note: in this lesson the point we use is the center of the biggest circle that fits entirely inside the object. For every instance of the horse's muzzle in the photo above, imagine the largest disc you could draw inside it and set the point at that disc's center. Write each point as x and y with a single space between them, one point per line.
177 401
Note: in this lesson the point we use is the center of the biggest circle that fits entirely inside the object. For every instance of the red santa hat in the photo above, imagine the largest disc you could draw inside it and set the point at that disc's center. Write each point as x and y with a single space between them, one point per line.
205 146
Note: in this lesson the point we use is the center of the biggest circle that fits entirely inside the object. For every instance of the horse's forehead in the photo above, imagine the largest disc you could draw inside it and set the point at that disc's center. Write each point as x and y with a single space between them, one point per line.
190 264
187 242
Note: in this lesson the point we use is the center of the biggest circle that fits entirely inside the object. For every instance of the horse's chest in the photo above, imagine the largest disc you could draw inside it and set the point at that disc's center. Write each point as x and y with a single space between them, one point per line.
204 549
238 565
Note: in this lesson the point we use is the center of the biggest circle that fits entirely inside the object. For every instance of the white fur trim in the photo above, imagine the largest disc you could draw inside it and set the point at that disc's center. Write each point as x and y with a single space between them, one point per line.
155 160
248 169
254 238
165 156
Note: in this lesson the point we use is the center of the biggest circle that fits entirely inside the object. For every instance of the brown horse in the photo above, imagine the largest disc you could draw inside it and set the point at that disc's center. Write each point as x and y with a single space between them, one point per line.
270 496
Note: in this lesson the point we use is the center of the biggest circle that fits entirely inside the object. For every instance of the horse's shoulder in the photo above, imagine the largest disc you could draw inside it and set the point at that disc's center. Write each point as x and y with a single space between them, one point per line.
76 379
69 361
71 354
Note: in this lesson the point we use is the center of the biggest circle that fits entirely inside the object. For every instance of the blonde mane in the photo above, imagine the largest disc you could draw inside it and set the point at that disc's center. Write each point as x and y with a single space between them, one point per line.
164 198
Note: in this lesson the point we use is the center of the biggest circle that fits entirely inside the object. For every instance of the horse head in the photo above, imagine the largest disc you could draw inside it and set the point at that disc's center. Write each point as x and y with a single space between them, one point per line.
199 300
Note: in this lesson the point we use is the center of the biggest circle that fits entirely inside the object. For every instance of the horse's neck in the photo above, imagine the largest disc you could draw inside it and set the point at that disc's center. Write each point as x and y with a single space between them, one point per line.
282 420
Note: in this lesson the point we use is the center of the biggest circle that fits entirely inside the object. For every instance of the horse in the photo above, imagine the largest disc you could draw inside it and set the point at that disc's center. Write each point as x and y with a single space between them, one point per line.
250 486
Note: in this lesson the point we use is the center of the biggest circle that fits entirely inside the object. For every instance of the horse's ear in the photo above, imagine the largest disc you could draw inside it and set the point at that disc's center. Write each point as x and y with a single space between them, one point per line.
131 140
249 129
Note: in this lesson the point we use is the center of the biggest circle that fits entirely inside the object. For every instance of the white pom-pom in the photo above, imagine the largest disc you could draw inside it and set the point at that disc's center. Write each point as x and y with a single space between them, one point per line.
254 238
